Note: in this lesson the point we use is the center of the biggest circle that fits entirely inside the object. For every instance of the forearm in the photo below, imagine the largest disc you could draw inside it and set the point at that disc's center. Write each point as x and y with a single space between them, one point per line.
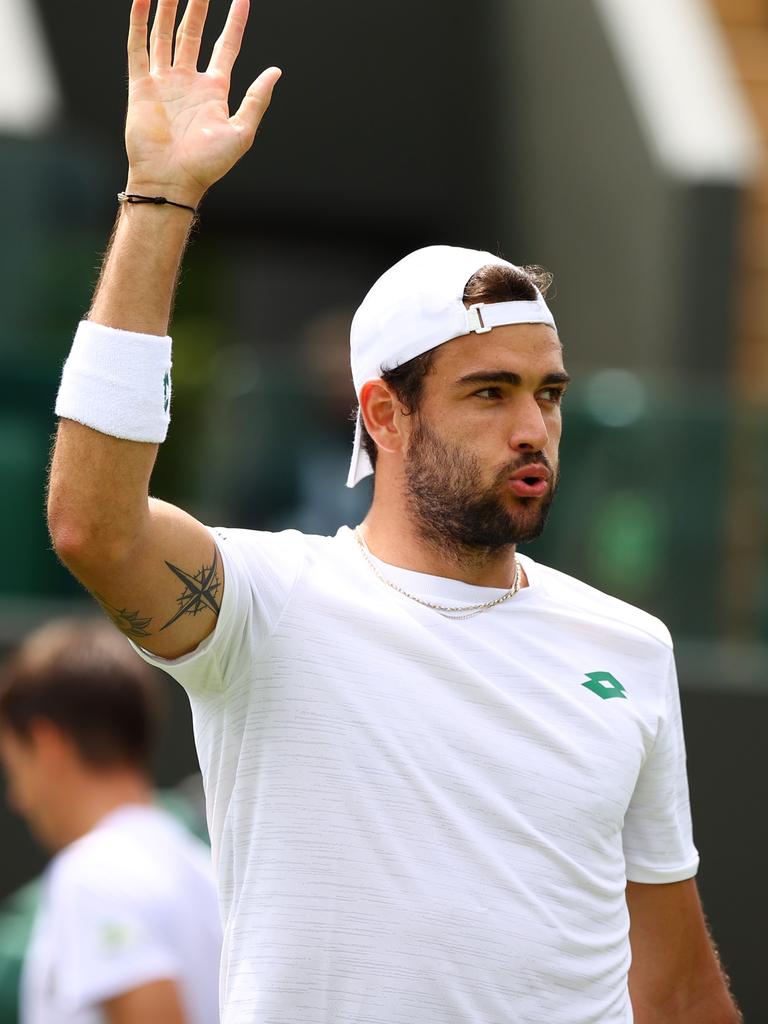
138 280
708 1005
696 993
676 976
99 484
158 1002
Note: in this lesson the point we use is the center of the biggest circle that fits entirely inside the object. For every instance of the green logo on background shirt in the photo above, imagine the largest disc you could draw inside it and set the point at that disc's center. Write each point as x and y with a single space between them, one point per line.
115 936
604 685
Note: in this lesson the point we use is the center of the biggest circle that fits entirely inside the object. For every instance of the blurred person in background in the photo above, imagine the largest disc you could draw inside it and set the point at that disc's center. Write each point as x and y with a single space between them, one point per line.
288 480
444 783
127 931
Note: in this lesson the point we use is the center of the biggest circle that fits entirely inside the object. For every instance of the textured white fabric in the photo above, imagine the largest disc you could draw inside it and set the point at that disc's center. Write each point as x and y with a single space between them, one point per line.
117 382
130 903
416 306
416 819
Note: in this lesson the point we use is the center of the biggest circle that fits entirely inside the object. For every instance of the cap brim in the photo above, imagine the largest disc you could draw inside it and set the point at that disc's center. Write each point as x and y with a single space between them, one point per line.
360 465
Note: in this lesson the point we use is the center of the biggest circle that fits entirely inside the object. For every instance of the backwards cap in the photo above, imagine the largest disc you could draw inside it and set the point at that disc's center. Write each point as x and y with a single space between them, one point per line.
417 305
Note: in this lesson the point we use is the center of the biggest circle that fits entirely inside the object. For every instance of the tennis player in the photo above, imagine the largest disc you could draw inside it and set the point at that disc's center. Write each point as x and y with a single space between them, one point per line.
127 930
445 784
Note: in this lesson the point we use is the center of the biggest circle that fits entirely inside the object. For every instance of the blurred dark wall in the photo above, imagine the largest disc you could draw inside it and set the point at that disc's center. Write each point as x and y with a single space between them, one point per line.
645 261
383 119
402 124
729 791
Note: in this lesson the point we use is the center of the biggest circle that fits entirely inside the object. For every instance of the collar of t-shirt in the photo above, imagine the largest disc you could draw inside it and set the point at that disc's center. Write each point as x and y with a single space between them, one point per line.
443 590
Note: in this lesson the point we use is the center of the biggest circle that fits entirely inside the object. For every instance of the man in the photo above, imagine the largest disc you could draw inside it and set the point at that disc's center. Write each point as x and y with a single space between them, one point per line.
444 784
127 930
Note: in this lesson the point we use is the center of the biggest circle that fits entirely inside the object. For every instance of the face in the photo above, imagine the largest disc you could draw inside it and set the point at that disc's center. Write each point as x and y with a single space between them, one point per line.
481 466
28 781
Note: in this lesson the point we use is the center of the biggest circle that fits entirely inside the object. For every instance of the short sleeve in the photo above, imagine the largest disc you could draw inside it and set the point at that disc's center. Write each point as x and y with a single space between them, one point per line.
260 570
107 942
657 835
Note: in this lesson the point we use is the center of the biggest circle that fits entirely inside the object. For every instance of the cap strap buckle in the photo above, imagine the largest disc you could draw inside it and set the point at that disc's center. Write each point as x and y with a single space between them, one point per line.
475 321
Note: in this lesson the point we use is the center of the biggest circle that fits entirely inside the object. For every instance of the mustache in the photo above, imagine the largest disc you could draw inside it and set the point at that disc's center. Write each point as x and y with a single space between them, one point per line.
528 459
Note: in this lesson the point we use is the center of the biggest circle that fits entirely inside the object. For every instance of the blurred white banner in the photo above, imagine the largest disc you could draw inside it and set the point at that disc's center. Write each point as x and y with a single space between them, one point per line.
685 87
29 93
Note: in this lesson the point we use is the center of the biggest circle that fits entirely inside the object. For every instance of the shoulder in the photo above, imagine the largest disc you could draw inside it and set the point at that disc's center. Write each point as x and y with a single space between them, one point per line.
288 543
280 556
137 852
580 600
257 546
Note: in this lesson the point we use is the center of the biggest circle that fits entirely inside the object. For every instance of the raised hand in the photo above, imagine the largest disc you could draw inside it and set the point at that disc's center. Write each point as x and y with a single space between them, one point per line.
179 135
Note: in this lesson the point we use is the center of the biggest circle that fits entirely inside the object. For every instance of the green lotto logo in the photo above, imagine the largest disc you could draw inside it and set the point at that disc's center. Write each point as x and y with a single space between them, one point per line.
604 685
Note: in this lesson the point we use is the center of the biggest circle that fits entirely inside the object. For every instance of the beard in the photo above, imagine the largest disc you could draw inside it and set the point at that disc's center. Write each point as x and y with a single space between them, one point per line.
445 493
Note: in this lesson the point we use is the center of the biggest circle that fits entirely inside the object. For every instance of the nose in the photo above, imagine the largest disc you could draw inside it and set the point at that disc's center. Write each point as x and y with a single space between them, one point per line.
528 429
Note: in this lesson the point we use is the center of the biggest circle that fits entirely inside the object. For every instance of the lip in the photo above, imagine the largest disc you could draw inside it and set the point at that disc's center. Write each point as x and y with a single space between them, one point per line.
523 489
530 481
536 470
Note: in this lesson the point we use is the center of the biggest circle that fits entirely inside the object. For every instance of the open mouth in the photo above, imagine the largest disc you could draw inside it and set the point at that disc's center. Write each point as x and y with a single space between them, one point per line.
529 486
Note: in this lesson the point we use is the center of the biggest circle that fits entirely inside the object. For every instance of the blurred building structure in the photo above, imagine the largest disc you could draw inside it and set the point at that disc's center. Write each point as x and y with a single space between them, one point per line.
618 143
745 29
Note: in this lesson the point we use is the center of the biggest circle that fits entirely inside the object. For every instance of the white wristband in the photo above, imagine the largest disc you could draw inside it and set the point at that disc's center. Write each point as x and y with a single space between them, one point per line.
118 382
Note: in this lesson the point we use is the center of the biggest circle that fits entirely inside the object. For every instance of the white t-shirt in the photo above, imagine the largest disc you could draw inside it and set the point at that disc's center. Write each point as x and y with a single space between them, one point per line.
131 902
422 819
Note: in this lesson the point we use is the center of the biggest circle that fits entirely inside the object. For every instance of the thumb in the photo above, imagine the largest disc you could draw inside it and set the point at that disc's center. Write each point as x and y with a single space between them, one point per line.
256 101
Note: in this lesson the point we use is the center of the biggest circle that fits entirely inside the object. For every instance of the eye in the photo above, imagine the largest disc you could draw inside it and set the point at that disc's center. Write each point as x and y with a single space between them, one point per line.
487 394
553 395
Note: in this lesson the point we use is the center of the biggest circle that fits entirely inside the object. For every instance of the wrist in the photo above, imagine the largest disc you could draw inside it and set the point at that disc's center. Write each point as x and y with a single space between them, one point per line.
134 199
173 192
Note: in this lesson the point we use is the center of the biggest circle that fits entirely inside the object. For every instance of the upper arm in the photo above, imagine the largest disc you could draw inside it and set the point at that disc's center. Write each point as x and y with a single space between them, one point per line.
154 569
158 1002
166 595
675 969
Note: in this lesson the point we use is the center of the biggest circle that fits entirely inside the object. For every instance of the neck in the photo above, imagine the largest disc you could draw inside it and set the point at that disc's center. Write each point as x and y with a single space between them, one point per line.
94 796
399 541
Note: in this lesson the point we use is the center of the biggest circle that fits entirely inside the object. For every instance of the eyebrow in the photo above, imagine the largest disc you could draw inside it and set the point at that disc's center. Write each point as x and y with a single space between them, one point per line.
507 377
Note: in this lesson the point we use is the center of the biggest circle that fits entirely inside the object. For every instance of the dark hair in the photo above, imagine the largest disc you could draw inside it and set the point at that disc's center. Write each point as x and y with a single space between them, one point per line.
85 679
492 283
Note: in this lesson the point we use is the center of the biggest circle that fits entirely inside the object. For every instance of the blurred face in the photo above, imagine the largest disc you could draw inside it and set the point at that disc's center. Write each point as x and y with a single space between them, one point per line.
28 777
482 464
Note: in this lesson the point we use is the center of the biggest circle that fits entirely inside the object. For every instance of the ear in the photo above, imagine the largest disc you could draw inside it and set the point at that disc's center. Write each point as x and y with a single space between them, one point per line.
383 415
48 740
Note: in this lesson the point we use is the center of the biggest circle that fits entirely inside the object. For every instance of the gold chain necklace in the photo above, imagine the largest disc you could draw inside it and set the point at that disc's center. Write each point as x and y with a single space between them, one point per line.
467 611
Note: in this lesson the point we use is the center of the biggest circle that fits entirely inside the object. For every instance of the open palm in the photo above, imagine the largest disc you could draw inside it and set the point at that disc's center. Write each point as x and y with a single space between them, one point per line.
179 135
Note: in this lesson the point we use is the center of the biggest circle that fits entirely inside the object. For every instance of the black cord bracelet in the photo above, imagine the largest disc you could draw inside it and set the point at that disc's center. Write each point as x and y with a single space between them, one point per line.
131 197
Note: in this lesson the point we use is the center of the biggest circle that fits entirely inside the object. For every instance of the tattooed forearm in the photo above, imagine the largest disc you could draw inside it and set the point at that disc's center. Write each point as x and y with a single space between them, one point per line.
201 590
130 623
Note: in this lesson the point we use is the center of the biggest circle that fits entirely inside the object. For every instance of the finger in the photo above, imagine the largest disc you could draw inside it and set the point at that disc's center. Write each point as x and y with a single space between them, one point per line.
190 33
138 58
228 44
255 103
161 37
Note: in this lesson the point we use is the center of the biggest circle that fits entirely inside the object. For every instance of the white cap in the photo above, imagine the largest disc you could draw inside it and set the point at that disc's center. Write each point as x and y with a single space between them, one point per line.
417 305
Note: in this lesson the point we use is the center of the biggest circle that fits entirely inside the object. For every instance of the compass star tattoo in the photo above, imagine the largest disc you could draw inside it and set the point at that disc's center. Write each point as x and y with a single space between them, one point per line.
200 592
